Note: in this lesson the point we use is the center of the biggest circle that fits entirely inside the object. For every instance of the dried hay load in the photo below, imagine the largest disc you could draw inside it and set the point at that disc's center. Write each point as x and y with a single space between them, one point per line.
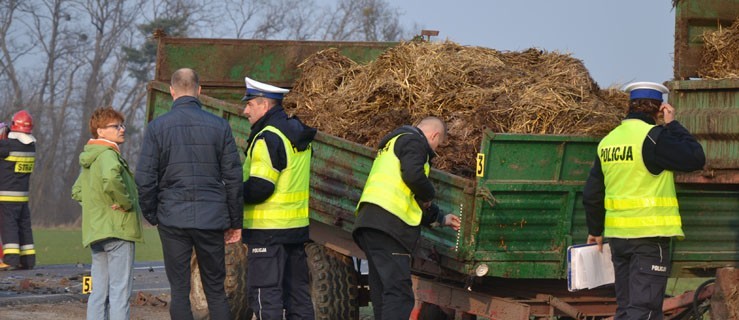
720 58
472 89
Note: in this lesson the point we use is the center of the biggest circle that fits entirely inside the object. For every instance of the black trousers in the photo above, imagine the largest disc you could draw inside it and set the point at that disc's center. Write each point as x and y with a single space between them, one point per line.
17 236
177 245
391 289
278 279
642 266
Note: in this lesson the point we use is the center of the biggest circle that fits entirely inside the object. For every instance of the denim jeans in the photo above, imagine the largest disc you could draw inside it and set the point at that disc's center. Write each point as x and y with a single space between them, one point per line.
112 279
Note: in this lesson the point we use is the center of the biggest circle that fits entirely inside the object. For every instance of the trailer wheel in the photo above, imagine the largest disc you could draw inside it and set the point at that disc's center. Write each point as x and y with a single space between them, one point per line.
235 284
700 308
333 283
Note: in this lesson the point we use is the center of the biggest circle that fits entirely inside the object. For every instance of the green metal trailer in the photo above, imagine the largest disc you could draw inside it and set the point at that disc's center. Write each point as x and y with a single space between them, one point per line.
519 214
692 19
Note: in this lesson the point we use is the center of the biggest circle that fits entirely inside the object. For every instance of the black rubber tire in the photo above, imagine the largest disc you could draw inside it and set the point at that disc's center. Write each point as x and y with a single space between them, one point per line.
334 284
235 285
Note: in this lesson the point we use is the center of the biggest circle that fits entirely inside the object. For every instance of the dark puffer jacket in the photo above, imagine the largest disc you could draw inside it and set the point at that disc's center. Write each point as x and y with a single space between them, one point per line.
189 171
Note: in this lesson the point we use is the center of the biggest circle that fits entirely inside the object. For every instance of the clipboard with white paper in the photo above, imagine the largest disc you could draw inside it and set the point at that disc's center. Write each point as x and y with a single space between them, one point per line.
587 268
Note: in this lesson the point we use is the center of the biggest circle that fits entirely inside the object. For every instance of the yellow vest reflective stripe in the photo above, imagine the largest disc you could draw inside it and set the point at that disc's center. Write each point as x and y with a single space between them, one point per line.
638 204
385 186
287 207
626 204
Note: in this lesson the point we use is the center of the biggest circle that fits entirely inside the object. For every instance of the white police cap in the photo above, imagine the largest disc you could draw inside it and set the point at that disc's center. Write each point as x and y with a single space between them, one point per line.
645 90
255 89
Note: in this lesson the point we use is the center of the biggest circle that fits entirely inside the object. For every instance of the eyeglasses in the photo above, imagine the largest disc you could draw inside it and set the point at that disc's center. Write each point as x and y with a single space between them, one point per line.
117 126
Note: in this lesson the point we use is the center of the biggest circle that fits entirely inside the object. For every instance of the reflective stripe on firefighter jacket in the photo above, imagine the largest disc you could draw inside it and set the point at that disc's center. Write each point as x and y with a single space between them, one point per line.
15 172
385 186
287 207
638 204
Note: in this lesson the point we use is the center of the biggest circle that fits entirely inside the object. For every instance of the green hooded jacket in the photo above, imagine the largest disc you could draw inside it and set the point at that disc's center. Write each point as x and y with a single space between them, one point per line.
105 180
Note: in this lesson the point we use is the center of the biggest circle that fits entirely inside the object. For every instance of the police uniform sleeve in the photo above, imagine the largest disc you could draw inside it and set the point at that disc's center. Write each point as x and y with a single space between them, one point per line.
432 216
677 150
411 152
593 200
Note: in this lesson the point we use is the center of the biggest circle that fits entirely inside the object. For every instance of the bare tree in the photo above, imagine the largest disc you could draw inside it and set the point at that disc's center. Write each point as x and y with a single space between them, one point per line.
11 48
78 45
61 59
362 20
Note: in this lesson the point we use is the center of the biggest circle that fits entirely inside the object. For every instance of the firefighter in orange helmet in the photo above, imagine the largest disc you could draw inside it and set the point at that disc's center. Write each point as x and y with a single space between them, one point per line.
17 157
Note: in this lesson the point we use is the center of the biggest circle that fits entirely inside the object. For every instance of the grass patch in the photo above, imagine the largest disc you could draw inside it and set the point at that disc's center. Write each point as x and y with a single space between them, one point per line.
64 246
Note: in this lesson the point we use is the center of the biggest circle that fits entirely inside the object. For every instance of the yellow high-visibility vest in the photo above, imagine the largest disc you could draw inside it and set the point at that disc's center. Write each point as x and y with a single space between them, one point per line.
385 186
287 207
638 204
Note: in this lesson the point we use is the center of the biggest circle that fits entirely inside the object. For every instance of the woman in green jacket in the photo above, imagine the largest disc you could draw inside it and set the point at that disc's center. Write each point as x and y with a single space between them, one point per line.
111 217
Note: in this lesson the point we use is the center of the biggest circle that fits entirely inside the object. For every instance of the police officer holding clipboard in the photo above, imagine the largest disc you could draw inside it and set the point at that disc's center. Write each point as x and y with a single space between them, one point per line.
630 198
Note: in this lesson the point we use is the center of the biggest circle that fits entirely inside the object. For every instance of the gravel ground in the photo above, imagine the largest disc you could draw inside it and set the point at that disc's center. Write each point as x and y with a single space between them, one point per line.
55 292
73 310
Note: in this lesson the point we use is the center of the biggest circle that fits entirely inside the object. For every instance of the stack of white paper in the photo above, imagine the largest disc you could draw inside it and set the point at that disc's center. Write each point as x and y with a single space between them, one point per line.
587 268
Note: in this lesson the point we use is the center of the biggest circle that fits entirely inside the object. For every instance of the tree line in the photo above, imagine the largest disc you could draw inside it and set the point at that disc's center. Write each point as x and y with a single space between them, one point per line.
61 59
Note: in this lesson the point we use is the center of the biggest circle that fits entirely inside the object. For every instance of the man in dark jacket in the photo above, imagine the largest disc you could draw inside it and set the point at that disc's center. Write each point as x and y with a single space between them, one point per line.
189 181
395 202
276 188
630 198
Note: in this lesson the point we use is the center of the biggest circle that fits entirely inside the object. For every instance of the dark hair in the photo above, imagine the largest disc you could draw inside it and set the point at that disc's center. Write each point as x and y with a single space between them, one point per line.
101 117
646 106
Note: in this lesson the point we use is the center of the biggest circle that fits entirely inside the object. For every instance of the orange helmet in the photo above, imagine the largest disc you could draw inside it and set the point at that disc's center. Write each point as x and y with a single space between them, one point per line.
22 122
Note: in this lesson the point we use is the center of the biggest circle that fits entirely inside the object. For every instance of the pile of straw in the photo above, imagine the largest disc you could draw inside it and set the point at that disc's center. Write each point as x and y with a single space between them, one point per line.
720 58
472 89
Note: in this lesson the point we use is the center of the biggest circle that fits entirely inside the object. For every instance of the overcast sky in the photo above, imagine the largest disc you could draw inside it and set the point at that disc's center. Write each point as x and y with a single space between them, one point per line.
619 41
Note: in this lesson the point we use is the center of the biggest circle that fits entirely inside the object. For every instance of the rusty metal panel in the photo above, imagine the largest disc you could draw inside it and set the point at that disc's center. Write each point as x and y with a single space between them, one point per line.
710 110
225 62
528 194
470 302
692 19
710 218
339 170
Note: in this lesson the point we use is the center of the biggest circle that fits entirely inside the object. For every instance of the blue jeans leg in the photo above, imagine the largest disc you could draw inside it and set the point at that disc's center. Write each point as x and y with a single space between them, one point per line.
112 279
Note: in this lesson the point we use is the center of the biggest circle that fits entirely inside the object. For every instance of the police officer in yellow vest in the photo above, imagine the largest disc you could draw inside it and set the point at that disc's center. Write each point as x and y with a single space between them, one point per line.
396 201
276 182
630 198
17 158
